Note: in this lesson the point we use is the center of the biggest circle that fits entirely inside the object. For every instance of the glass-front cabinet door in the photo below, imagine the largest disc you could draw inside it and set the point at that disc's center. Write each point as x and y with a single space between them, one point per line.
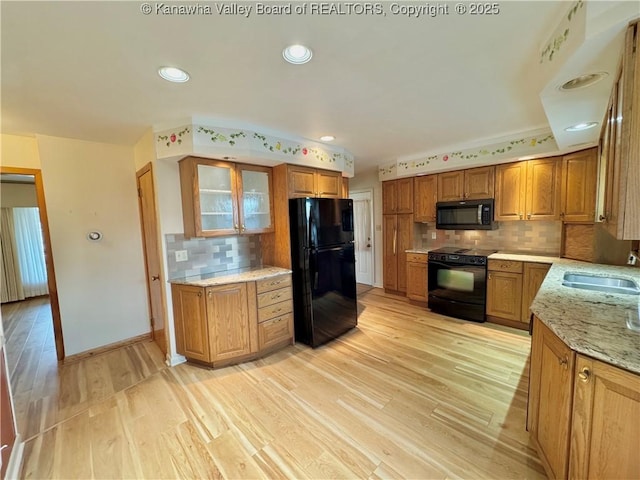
217 197
256 203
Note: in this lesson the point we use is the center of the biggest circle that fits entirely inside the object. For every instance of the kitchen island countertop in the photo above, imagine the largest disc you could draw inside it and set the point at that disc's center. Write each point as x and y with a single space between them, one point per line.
250 274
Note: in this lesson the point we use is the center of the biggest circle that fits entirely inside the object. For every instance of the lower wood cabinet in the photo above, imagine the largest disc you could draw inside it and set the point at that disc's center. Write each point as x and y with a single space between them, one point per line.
225 324
511 288
550 399
417 287
583 414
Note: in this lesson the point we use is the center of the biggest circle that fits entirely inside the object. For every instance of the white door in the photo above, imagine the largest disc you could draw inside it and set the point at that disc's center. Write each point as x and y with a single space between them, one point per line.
362 217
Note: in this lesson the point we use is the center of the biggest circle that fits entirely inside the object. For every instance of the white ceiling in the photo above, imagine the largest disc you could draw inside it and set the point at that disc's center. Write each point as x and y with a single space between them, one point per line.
385 86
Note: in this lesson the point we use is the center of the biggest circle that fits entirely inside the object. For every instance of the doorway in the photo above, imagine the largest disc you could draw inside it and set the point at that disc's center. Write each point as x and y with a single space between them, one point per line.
151 250
36 176
363 233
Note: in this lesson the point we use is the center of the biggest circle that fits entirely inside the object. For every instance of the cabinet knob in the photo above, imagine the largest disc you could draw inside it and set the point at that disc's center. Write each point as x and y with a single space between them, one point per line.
584 375
602 218
242 228
520 215
235 227
155 277
199 294
528 216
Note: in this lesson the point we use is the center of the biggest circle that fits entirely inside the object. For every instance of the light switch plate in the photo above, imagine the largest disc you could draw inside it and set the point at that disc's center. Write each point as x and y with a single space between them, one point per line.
433 235
181 256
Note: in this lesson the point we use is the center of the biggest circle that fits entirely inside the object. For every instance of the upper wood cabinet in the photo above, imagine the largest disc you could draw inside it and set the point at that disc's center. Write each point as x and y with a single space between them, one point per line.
313 182
528 190
579 184
397 196
473 183
223 198
620 147
425 194
397 238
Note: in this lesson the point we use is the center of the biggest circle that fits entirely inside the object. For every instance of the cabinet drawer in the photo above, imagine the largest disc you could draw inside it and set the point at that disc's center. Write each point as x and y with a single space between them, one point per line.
274 310
273 283
275 296
417 257
505 266
275 331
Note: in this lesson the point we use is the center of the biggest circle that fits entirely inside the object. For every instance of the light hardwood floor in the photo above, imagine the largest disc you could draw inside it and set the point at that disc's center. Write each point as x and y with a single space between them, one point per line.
408 394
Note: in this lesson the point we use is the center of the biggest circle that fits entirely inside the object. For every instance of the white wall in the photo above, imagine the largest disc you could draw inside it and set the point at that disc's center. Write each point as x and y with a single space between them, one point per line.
19 151
18 195
363 181
101 286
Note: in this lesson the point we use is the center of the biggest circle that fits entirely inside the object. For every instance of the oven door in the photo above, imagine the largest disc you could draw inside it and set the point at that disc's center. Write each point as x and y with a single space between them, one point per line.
463 284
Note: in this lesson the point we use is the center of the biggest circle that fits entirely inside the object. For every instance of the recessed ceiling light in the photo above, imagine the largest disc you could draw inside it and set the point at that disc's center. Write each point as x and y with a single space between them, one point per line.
297 54
327 138
581 126
173 74
583 81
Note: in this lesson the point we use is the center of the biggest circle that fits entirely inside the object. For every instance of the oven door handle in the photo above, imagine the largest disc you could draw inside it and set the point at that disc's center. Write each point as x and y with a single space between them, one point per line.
435 263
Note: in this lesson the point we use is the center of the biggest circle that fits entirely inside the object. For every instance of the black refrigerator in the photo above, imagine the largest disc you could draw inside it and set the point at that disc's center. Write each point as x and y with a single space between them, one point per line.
323 265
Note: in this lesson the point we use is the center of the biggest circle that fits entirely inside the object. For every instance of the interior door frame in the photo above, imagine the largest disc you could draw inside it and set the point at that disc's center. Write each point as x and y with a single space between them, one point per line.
46 240
368 195
148 168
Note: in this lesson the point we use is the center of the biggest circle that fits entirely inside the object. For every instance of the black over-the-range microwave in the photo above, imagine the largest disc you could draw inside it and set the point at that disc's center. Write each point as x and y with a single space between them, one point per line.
465 215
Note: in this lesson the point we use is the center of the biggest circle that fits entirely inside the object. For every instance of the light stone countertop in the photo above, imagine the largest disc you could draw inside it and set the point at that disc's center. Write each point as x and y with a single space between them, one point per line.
526 257
419 250
590 322
231 276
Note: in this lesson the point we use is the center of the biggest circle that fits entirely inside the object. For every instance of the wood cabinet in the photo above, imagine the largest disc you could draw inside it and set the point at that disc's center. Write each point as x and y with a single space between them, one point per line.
620 146
583 414
472 183
504 289
528 190
605 425
397 238
425 195
533 275
550 399
397 196
417 286
224 324
313 182
275 312
511 288
579 185
222 198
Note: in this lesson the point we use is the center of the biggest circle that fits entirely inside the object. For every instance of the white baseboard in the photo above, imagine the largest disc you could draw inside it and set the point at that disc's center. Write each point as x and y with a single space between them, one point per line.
173 360
15 460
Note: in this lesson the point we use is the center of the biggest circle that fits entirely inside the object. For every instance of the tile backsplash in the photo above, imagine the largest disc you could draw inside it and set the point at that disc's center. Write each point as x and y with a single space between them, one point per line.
525 236
209 255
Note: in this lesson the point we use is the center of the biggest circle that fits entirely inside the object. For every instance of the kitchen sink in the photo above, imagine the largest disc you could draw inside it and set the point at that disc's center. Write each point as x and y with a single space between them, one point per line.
601 284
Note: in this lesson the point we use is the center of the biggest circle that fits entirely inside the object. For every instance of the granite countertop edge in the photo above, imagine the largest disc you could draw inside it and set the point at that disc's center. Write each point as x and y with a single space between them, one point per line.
592 323
232 276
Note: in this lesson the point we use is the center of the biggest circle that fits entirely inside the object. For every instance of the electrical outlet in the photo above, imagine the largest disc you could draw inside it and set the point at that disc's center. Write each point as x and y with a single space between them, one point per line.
433 235
633 258
181 256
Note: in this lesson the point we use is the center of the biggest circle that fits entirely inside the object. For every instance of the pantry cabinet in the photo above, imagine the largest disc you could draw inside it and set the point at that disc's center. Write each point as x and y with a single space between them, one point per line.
313 182
223 198
579 185
397 196
620 147
550 399
528 190
397 238
473 183
425 191
417 287
225 324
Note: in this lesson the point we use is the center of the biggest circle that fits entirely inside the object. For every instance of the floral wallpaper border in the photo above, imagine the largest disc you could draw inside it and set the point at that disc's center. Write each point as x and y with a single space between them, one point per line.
487 155
561 34
241 143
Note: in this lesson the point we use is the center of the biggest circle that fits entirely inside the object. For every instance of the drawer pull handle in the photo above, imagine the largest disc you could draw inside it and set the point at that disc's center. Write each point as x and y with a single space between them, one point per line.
584 375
